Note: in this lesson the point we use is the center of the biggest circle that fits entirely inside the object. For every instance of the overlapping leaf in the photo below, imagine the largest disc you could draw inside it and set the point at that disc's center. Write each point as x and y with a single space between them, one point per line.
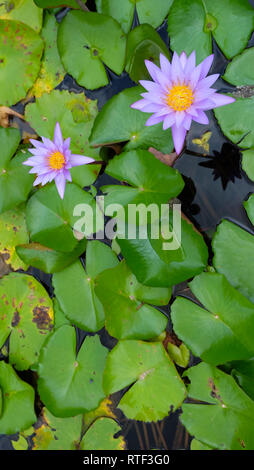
22 10
13 231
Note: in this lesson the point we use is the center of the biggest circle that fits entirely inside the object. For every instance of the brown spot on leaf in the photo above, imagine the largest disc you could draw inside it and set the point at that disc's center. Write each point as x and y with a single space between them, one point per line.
215 391
42 318
15 319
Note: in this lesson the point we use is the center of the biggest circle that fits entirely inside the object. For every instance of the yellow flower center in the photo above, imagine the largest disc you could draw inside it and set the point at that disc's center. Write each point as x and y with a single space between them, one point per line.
56 160
180 97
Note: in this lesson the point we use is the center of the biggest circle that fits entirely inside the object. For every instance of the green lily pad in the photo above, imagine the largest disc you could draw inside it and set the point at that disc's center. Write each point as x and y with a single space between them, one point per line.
119 291
230 23
249 207
74 287
241 70
233 250
20 53
52 71
46 259
57 3
50 219
22 10
123 11
13 231
20 444
151 181
27 318
15 181
224 331
243 372
18 401
118 122
179 354
100 436
248 163
74 385
76 115
197 445
240 129
224 421
155 265
87 41
144 366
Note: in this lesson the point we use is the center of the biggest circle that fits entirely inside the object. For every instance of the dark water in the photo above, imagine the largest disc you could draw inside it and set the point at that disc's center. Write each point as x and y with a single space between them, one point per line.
215 189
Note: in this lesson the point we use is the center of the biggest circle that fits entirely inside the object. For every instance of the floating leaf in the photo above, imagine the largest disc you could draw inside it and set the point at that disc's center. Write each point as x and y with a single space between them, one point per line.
230 23
143 43
151 181
118 122
243 372
46 259
123 11
26 318
15 181
248 163
52 71
22 10
57 3
224 421
224 331
197 445
249 207
119 291
13 231
233 251
87 41
241 70
144 366
242 128
20 53
156 264
74 287
20 444
72 386
50 220
100 436
18 401
179 354
76 114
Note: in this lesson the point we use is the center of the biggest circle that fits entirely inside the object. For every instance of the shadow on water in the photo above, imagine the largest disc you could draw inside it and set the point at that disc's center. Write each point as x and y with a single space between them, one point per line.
215 189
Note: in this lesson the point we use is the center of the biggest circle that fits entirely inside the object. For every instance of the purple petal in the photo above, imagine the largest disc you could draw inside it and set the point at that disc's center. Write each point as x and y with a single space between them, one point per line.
165 66
187 122
152 69
195 76
58 138
208 81
76 160
49 144
183 59
179 117
67 175
190 66
203 94
201 118
60 184
169 121
220 100
206 65
177 74
149 86
152 120
151 108
178 134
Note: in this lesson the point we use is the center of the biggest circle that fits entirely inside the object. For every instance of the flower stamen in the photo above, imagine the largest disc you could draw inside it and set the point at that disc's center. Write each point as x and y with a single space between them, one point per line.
180 97
56 161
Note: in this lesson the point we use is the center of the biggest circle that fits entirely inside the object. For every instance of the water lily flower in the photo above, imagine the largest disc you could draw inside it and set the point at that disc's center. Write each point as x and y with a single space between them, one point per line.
179 93
52 160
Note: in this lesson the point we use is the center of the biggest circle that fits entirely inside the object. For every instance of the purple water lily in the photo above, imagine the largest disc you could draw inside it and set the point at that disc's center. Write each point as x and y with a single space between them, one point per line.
179 93
52 160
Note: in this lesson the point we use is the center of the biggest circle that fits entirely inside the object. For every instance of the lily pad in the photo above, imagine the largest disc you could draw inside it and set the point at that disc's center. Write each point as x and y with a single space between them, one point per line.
234 250
240 71
249 207
74 287
154 264
13 231
20 54
118 122
27 318
18 401
248 163
143 42
57 3
15 181
144 366
123 11
72 386
52 71
229 22
224 331
87 41
224 421
76 115
238 130
22 10
46 259
50 220
125 303
100 436
243 372
151 182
